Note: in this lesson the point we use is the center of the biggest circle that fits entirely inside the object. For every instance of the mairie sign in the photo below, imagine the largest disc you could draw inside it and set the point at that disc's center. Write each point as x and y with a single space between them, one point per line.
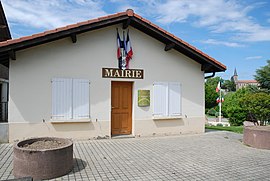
119 73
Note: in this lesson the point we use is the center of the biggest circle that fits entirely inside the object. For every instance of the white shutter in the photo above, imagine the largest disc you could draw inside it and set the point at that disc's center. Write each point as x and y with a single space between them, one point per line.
174 99
80 98
61 98
160 99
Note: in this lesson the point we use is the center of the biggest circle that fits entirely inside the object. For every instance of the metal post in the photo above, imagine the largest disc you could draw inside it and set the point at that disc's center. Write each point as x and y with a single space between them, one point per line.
220 101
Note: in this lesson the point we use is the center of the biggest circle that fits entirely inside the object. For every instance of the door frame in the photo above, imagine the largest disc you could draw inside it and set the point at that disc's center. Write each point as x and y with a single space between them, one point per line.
131 116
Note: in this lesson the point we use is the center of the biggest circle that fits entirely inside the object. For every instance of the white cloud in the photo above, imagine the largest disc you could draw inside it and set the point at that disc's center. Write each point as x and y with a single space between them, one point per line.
218 42
219 16
51 14
254 57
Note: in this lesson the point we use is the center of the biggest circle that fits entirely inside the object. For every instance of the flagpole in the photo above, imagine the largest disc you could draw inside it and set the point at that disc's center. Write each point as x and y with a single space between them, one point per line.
220 101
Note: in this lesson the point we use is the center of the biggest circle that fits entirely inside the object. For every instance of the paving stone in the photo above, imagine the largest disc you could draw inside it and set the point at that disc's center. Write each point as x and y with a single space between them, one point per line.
210 156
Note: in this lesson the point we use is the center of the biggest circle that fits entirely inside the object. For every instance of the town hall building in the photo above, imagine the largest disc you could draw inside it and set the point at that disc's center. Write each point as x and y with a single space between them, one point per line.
115 75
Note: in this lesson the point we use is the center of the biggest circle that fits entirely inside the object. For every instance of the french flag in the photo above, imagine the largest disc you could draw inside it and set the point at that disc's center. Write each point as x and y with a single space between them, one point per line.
220 100
129 51
218 87
119 55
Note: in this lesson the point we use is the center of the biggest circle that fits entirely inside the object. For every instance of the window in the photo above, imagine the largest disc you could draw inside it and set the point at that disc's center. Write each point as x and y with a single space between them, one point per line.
70 98
167 99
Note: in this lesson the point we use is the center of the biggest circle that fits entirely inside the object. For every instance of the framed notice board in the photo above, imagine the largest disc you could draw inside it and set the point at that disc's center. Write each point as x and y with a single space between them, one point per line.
143 98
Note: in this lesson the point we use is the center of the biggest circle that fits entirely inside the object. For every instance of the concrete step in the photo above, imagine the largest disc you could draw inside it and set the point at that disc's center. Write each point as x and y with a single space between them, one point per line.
122 136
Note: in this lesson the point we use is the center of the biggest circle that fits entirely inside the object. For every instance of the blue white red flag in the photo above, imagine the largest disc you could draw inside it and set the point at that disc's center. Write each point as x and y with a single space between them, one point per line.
218 87
128 50
124 51
119 54
124 61
218 99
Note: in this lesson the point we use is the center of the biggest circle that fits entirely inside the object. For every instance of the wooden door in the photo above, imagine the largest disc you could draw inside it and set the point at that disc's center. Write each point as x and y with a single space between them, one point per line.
121 105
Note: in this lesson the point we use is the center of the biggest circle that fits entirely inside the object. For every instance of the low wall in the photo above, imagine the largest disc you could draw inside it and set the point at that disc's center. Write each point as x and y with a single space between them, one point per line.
257 136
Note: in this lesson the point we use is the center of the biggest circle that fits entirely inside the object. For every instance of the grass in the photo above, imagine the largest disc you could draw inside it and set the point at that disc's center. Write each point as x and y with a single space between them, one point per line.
236 129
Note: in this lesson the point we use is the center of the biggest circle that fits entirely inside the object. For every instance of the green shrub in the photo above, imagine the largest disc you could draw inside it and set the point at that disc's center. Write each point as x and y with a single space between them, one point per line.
233 107
258 104
217 114
212 112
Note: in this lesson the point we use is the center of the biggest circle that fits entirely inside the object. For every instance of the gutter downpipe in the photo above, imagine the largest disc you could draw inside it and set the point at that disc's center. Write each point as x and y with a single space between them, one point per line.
210 76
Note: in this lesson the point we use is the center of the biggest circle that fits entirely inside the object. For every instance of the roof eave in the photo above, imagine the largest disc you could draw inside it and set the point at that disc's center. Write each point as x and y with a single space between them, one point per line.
181 46
56 34
127 18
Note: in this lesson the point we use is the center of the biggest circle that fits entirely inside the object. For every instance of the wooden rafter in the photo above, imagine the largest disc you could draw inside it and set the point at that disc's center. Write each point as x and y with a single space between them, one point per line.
12 54
73 37
169 46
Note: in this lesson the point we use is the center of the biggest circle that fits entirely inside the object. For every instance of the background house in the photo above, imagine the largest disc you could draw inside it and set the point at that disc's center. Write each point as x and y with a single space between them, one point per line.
242 83
4 76
66 82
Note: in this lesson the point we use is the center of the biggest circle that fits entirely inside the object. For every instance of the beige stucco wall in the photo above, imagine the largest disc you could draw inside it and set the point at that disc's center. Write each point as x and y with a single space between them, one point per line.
31 74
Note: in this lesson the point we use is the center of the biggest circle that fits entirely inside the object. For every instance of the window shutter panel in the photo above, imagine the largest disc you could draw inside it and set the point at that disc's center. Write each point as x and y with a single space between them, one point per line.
175 99
160 99
80 99
61 98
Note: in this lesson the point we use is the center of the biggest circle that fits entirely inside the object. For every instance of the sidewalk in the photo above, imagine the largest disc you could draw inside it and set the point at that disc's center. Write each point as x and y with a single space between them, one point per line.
209 156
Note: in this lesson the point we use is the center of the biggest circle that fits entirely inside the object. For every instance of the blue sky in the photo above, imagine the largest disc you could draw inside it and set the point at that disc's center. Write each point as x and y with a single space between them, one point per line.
235 32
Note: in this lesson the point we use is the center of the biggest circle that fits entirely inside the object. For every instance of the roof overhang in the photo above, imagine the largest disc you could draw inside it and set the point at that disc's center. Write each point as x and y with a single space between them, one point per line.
129 18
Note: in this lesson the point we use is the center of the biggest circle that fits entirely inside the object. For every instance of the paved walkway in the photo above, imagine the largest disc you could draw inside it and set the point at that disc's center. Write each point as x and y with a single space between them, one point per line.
210 156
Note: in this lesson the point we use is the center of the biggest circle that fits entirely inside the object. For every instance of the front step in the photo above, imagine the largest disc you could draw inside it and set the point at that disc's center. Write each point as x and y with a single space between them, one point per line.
122 136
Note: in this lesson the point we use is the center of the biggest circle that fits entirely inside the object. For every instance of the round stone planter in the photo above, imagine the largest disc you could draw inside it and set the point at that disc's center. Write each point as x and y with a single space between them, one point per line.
42 163
257 136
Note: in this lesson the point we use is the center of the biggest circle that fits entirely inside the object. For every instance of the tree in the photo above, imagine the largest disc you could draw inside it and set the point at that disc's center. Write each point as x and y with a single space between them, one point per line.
229 85
263 76
210 92
233 107
258 104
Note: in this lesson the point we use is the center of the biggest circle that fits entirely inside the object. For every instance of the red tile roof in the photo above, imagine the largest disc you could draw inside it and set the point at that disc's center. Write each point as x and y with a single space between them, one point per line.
247 81
128 13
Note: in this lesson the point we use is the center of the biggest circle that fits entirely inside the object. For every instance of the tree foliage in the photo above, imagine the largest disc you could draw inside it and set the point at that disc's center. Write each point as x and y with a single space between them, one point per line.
229 85
237 105
233 109
263 76
210 92
258 104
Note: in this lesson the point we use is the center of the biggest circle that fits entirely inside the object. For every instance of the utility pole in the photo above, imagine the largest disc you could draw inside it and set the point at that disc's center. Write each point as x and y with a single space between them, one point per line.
220 101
